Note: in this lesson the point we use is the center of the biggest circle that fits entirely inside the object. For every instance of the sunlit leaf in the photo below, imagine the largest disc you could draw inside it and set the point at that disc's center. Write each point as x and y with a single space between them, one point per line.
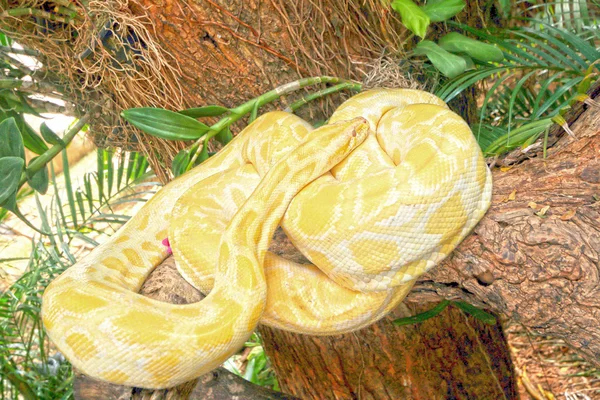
412 16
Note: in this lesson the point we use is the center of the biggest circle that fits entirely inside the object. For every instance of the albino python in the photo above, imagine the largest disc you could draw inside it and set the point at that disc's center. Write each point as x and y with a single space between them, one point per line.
379 195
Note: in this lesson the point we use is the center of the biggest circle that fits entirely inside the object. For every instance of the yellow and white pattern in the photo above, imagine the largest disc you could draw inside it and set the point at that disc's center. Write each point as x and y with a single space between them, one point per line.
374 199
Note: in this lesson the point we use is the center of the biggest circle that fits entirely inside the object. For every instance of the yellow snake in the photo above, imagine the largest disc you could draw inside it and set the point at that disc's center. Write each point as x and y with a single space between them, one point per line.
373 199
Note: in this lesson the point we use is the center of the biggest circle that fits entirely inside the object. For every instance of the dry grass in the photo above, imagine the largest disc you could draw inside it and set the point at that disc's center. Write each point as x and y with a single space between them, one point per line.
98 52
547 367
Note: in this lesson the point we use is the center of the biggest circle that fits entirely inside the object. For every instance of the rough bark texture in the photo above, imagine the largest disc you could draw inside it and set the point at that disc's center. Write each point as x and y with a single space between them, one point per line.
231 51
451 356
539 268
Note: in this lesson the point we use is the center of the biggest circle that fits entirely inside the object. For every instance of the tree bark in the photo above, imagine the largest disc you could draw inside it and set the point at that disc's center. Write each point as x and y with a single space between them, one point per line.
535 255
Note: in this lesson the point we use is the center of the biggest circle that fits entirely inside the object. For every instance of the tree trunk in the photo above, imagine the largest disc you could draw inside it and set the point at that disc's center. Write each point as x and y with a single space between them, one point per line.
535 256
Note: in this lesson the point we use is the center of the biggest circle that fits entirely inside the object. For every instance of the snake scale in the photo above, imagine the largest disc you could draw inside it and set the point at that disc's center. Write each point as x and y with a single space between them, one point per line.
376 197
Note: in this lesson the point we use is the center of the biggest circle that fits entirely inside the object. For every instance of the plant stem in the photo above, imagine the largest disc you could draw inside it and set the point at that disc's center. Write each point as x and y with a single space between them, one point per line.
53 151
14 50
322 93
20 12
239 111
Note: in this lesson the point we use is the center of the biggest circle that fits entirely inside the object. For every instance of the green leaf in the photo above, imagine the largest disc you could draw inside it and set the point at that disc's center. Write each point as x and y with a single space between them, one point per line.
5 40
481 315
39 180
203 154
11 143
224 136
448 64
180 162
457 43
253 113
49 135
422 316
10 174
412 16
505 7
164 123
206 111
31 139
441 10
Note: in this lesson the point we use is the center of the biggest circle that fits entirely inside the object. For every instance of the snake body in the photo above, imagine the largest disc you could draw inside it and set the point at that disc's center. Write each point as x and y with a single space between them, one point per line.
379 195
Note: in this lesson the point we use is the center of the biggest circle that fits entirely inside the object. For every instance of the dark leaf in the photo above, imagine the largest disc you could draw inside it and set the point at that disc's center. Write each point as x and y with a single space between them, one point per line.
39 180
180 162
10 174
11 143
49 135
206 111
224 136
31 139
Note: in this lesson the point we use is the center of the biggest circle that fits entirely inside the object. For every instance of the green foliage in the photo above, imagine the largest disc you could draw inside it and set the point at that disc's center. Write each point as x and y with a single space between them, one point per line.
457 43
38 181
15 102
257 368
165 124
454 54
30 367
442 10
545 69
183 125
12 163
413 17
206 111
10 173
49 135
447 63
470 309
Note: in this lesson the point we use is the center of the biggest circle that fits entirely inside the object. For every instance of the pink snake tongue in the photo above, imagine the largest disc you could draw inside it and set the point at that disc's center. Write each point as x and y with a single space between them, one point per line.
166 243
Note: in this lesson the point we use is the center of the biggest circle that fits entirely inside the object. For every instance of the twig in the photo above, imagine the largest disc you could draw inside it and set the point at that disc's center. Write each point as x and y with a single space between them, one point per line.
240 111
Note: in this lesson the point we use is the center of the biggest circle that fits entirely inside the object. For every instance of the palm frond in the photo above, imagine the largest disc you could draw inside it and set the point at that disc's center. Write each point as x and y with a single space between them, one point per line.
543 68
30 368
